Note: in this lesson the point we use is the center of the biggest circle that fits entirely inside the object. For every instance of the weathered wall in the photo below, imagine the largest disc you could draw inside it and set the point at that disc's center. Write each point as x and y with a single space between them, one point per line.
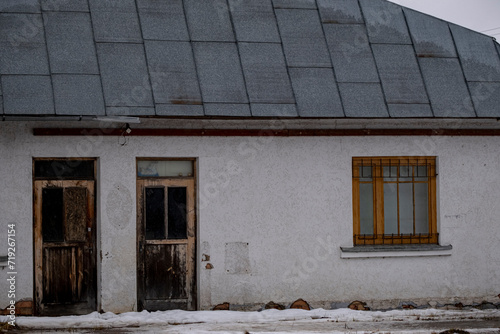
282 206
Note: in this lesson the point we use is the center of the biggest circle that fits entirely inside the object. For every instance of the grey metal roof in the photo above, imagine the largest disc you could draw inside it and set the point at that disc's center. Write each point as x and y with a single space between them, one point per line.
242 58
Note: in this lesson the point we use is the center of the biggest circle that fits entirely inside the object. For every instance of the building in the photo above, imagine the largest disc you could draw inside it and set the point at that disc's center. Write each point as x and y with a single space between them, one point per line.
187 153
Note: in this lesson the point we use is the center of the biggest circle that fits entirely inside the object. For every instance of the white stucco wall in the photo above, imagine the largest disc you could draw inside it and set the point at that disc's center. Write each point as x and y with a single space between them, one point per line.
290 199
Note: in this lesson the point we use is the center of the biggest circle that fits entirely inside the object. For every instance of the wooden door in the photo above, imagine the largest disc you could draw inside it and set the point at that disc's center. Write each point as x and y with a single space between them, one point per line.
64 241
166 253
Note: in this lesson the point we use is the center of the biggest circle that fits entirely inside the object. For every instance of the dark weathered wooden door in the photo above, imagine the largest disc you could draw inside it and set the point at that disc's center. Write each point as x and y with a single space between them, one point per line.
166 244
64 241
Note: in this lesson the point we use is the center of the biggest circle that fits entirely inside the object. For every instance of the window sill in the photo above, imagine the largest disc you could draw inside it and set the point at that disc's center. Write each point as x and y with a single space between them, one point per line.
382 251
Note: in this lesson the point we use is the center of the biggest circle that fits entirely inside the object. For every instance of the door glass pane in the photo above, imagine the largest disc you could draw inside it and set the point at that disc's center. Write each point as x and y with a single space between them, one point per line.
52 215
64 169
75 213
390 208
155 213
421 208
177 213
406 208
164 168
366 208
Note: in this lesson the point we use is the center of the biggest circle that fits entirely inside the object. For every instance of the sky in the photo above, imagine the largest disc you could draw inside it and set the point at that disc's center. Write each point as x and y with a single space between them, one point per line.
478 15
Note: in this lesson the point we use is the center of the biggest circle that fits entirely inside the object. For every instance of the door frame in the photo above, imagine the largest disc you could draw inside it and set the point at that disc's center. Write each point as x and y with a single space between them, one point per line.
140 228
38 184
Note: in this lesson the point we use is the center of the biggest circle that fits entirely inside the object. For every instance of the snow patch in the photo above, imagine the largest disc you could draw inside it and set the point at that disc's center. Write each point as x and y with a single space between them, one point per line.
106 320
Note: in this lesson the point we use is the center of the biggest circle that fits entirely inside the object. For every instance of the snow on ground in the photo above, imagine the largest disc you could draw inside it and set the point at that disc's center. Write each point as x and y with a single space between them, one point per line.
110 320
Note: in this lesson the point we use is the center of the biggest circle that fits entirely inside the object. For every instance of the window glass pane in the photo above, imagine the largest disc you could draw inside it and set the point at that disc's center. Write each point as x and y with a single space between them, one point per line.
390 173
52 215
164 168
406 208
64 169
421 208
177 212
390 208
405 171
366 208
155 213
420 173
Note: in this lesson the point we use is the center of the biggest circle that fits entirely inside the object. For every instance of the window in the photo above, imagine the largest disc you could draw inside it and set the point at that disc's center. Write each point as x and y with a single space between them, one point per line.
64 169
394 200
164 168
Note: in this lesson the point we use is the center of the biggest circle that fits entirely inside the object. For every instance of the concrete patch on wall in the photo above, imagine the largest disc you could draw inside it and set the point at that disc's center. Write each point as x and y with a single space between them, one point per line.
237 259
205 275
118 281
119 206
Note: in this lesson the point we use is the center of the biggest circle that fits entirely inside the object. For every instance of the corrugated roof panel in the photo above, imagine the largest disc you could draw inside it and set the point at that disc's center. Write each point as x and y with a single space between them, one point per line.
179 110
303 4
219 72
227 109
480 60
340 11
446 87
351 53
316 92
303 38
27 95
486 97
254 21
431 36
163 20
209 20
130 111
265 73
22 51
124 75
363 100
78 94
19 6
70 43
399 73
385 22
410 110
173 73
65 6
273 110
115 21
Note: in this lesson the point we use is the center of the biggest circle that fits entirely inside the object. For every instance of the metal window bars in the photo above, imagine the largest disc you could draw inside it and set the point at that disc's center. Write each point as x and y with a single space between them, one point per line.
407 162
395 239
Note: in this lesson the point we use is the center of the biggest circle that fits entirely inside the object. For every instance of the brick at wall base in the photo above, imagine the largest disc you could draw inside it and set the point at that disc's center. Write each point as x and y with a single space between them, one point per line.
23 307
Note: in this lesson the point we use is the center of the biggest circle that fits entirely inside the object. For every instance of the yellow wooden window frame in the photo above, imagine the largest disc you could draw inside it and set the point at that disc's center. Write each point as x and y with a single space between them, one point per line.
377 180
